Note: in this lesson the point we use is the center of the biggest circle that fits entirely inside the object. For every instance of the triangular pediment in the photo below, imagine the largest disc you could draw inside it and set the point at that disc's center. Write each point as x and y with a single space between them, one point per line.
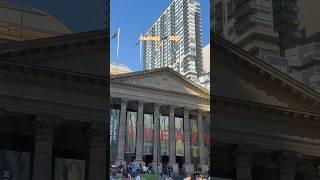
240 75
162 79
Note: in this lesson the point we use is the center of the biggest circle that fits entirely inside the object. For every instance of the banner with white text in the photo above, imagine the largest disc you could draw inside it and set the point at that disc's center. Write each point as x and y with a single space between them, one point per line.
114 125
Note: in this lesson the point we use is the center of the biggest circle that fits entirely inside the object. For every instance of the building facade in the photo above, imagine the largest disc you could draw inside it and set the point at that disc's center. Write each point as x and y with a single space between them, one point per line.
249 24
159 117
53 108
309 17
265 123
182 18
286 23
301 63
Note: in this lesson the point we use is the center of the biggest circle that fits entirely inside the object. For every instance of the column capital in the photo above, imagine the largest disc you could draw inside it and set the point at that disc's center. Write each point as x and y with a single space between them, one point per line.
185 108
243 155
124 100
287 161
172 107
96 132
199 113
141 102
157 105
45 124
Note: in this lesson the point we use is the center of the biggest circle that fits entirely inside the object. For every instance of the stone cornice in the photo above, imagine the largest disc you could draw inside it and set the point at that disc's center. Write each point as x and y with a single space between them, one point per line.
53 78
290 85
307 146
253 106
47 55
51 43
167 92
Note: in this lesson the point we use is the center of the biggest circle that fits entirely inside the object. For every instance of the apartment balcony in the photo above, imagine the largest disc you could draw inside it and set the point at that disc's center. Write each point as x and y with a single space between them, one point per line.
245 9
244 24
238 3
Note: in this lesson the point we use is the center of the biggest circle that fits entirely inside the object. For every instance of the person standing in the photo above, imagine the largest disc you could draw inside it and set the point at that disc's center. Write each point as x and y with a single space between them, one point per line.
133 166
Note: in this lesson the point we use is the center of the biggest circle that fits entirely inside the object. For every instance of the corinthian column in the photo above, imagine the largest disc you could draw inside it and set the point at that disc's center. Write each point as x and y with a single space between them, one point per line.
122 130
156 137
172 139
243 162
97 151
139 133
202 151
187 142
44 133
287 165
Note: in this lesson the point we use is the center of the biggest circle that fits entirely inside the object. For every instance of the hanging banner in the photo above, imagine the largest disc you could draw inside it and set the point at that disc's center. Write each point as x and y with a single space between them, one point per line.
114 125
148 134
14 165
69 169
164 135
131 132
206 129
194 138
179 136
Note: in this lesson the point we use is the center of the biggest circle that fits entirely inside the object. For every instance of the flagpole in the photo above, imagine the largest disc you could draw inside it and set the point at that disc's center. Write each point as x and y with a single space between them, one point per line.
118 36
97 14
118 44
21 20
140 47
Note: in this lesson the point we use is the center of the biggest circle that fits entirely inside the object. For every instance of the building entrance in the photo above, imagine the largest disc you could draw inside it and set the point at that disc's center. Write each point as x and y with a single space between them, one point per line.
147 159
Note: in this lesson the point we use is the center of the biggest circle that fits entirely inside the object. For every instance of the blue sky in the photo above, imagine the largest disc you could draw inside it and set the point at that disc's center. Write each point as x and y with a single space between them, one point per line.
77 15
135 17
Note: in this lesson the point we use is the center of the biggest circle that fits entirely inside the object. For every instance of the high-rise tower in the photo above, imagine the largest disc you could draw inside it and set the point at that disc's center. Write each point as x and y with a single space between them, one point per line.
181 18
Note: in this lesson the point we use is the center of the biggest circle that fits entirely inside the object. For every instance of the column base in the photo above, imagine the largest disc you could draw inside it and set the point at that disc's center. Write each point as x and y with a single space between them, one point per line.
175 167
204 168
188 167
157 168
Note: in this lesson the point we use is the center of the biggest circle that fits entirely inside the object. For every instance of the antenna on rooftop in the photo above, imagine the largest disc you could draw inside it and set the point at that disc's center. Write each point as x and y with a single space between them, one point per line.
21 19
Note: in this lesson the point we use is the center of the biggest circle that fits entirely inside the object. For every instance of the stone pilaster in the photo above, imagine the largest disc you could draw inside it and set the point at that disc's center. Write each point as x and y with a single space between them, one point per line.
187 141
122 130
156 136
243 162
202 152
287 165
97 152
44 134
172 139
139 151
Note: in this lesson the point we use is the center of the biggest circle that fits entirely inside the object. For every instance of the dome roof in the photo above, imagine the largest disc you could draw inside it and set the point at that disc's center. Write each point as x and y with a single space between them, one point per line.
36 23
119 69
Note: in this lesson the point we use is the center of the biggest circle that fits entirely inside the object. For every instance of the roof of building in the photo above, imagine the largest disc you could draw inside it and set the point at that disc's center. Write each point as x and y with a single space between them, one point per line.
292 86
36 23
119 69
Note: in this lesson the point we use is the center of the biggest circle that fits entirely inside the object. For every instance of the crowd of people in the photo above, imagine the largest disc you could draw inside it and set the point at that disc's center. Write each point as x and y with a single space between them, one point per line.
132 171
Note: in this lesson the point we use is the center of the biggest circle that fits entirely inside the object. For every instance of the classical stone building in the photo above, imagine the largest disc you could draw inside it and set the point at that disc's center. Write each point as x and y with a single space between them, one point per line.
265 123
163 98
53 108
